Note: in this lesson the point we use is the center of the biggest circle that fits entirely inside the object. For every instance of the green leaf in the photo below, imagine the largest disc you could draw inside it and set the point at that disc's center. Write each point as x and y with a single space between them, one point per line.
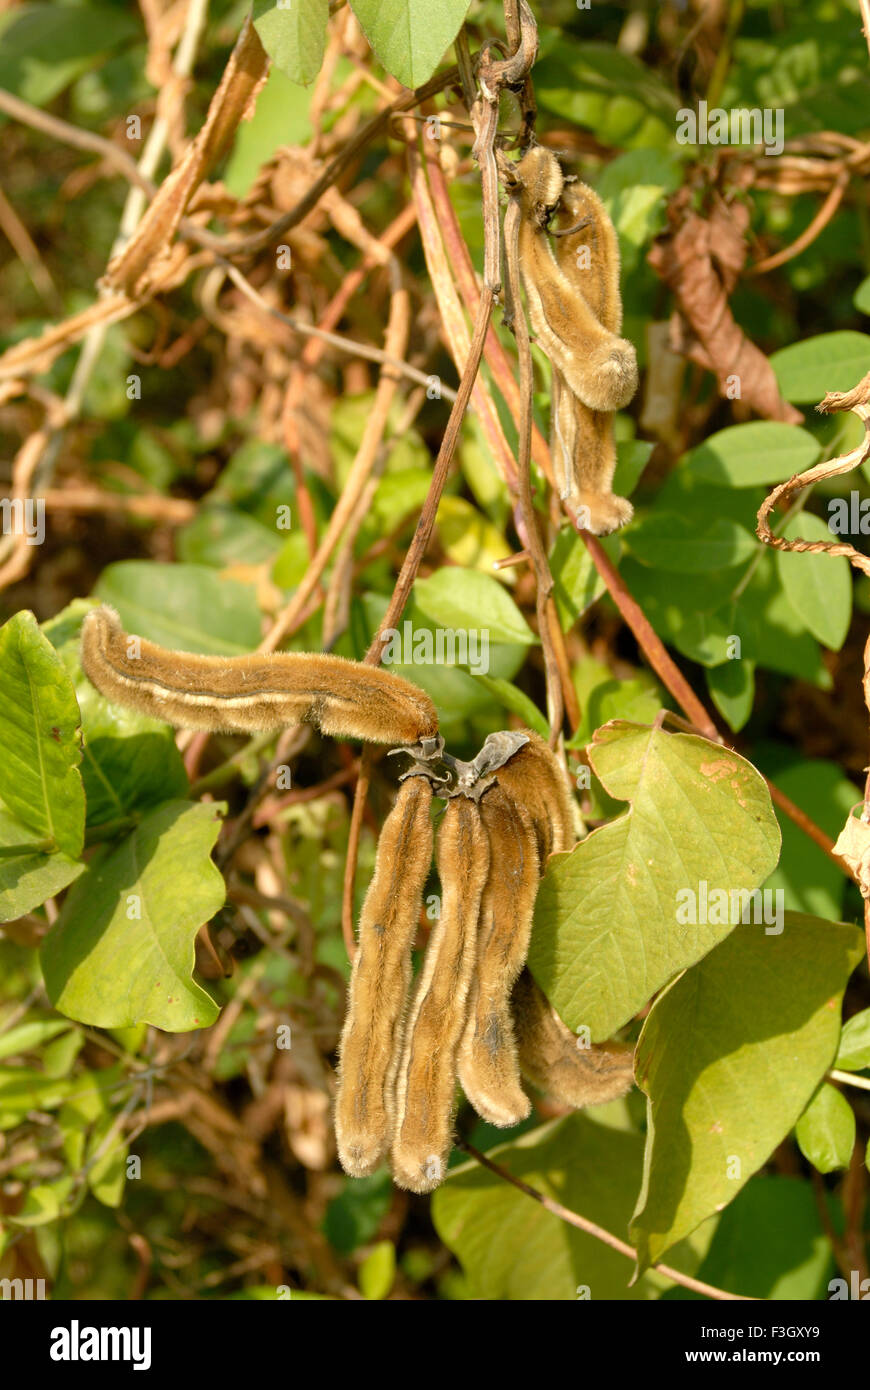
27 1037
188 607
469 539
294 35
28 875
122 949
280 118
607 929
513 1248
130 762
378 1271
44 1203
353 1217
515 700
465 600
854 1050
818 587
825 1131
23 1089
577 583
632 457
410 37
811 881
732 688
223 536
45 47
827 362
613 93
729 1056
670 542
770 1243
39 731
861 297
107 1163
633 188
760 451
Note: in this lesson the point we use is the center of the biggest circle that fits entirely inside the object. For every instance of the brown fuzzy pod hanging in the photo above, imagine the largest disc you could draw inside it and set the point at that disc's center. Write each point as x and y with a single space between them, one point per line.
554 1060
599 367
488 1068
371 1041
426 1082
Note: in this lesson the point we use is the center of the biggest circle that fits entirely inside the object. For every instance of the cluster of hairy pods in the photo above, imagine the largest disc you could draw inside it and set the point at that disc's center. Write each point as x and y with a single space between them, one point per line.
575 309
473 1015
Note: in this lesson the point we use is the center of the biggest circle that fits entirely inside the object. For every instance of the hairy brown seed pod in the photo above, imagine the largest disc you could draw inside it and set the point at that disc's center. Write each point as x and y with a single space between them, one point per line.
589 255
426 1080
488 1069
599 367
246 694
534 778
551 1056
371 1041
584 457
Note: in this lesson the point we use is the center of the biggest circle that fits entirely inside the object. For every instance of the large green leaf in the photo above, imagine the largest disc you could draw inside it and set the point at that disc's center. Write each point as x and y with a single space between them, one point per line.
607 933
122 949
466 600
188 607
510 1247
818 587
671 542
770 1243
39 733
729 1056
28 876
410 37
613 93
293 35
827 362
759 451
45 47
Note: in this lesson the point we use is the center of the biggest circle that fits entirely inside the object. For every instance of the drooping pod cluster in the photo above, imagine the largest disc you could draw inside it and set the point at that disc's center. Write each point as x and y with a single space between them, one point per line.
473 1009
576 314
474 1015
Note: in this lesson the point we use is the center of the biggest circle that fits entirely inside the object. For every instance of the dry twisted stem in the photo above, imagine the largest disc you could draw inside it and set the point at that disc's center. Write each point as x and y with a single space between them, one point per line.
858 401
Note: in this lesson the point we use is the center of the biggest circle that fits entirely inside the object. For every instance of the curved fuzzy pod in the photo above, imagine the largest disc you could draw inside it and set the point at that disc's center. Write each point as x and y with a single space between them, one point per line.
552 1059
246 694
533 778
599 282
371 1040
488 1068
426 1081
598 366
584 456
